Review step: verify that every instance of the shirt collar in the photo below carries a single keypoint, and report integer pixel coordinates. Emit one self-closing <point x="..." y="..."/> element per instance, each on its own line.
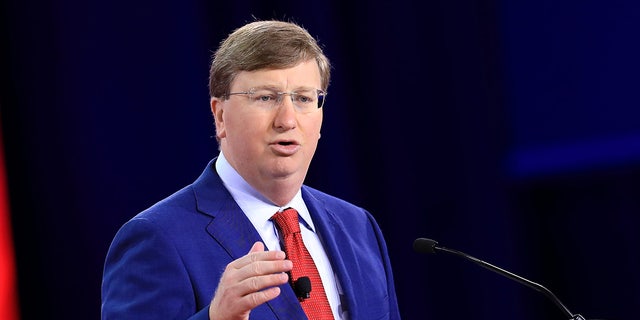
<point x="254" y="205"/>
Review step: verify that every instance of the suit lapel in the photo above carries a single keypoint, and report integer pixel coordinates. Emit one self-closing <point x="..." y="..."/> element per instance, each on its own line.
<point x="343" y="259"/>
<point x="233" y="231"/>
<point x="229" y="227"/>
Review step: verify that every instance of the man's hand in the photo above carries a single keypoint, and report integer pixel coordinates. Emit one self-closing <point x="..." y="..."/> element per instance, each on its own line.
<point x="248" y="282"/>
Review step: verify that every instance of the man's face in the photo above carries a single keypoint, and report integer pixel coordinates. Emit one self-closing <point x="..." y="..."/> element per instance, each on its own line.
<point x="263" y="144"/>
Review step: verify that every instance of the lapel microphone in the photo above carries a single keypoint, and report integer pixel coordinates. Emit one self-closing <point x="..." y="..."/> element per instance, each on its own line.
<point x="302" y="287"/>
<point x="423" y="245"/>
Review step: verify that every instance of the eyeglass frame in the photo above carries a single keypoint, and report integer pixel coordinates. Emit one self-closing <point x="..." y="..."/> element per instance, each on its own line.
<point x="279" y="95"/>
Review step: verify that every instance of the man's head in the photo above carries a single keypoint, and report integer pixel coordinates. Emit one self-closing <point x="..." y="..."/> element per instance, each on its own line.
<point x="264" y="45"/>
<point x="267" y="79"/>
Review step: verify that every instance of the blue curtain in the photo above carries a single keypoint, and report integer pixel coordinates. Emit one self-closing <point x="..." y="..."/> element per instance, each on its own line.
<point x="507" y="130"/>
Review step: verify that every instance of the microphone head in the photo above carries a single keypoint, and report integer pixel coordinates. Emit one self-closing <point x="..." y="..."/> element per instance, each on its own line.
<point x="302" y="287"/>
<point x="424" y="245"/>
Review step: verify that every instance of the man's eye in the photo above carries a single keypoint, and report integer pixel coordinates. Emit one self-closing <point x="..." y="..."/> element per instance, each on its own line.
<point x="265" y="97"/>
<point x="304" y="99"/>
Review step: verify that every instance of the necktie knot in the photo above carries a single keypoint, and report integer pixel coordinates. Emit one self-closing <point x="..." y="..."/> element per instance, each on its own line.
<point x="287" y="221"/>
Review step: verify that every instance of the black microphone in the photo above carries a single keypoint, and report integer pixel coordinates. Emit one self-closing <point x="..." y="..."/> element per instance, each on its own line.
<point x="423" y="245"/>
<point x="302" y="287"/>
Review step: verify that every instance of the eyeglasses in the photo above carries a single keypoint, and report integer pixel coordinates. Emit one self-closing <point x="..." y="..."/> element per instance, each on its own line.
<point x="305" y="101"/>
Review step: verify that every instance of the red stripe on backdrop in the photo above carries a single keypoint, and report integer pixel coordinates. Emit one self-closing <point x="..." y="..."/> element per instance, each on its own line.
<point x="8" y="292"/>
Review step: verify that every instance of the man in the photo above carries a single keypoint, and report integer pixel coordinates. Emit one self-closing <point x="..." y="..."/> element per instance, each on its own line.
<point x="213" y="250"/>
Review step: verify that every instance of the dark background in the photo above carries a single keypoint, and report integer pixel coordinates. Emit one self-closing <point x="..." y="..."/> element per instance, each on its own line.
<point x="509" y="130"/>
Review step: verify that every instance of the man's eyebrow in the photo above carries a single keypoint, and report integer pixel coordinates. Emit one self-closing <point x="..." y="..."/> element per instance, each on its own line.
<point x="279" y="89"/>
<point x="266" y="87"/>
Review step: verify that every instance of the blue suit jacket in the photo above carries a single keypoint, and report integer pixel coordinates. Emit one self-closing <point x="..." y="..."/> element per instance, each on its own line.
<point x="166" y="262"/>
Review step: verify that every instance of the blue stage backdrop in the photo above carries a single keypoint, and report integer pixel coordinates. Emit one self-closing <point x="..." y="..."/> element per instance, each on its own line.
<point x="509" y="130"/>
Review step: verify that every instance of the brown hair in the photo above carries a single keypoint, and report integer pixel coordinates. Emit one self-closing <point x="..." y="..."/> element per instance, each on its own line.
<point x="264" y="45"/>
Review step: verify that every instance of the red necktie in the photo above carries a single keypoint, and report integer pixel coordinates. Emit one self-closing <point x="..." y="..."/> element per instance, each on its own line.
<point x="316" y="306"/>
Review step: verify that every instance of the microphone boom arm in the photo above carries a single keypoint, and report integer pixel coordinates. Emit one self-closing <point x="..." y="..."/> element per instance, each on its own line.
<point x="424" y="245"/>
<point x="513" y="276"/>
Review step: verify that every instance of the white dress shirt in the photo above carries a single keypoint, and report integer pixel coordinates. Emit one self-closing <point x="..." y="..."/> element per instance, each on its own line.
<point x="259" y="210"/>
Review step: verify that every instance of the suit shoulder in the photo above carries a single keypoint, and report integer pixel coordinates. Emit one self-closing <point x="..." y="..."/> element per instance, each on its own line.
<point x="334" y="205"/>
<point x="328" y="199"/>
<point x="167" y="210"/>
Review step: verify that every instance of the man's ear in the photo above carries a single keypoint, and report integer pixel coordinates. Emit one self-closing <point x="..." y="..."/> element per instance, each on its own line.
<point x="216" y="111"/>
